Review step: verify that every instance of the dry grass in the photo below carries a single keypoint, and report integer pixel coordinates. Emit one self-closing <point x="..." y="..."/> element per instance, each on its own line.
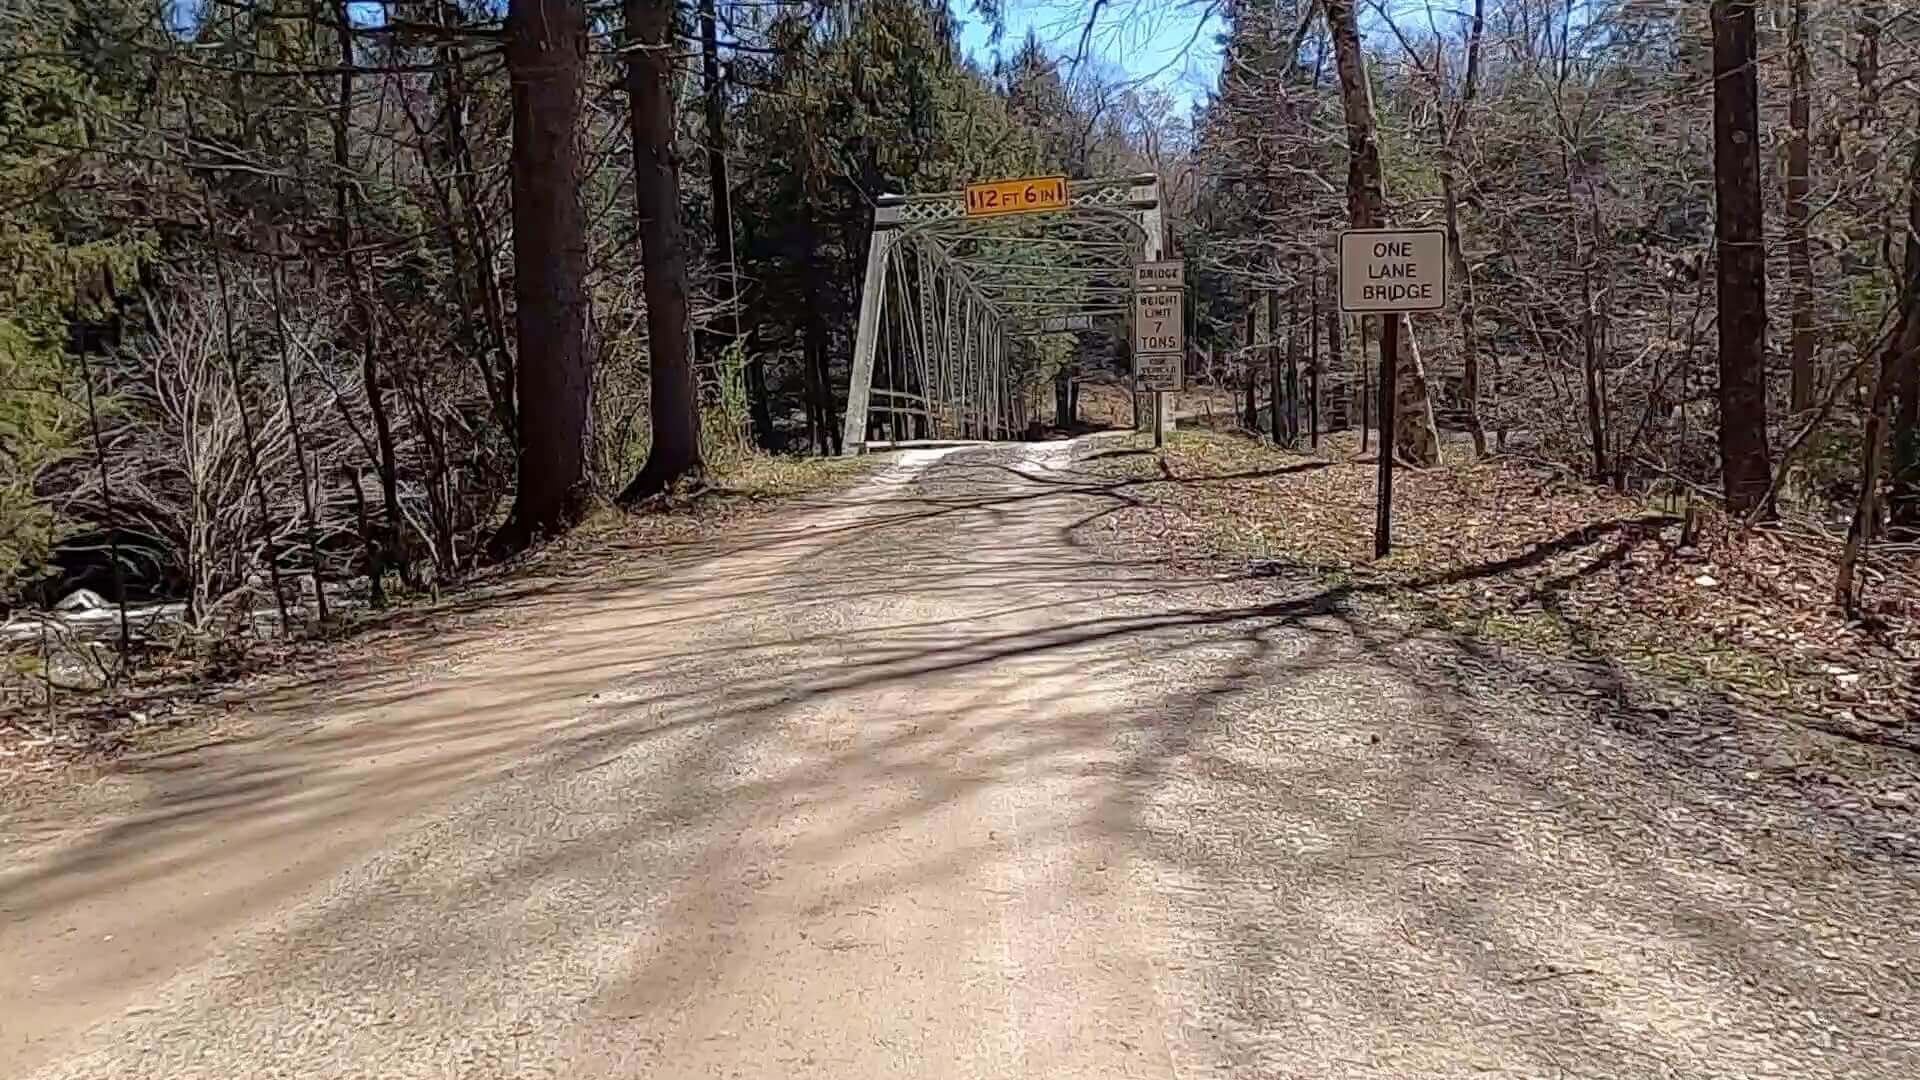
<point x="1523" y="556"/>
<point x="764" y="476"/>
<point x="742" y="487"/>
<point x="1107" y="402"/>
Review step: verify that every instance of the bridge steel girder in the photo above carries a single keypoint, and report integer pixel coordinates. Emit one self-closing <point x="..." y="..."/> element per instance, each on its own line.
<point x="958" y="291"/>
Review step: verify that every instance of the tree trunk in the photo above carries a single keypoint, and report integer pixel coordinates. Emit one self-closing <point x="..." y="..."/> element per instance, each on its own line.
<point x="1416" y="435"/>
<point x="1251" y="416"/>
<point x="1366" y="197"/>
<point x="1898" y="362"/>
<point x="1336" y="340"/>
<point x="546" y="64"/>
<point x="1293" y="366"/>
<point x="829" y="408"/>
<point x="1740" y="248"/>
<point x="362" y="325"/>
<point x="1869" y="20"/>
<point x="1590" y="372"/>
<point x="1365" y="383"/>
<point x="116" y="567"/>
<point x="810" y="393"/>
<point x="294" y="432"/>
<point x="819" y="395"/>
<point x="1799" y="186"/>
<point x="822" y="387"/>
<point x="719" y="341"/>
<point x="497" y="368"/>
<point x="1313" y="367"/>
<point x="1870" y="115"/>
<point x="376" y="569"/>
<point x="1866" y="509"/>
<point x="1469" y="344"/>
<point x="1414" y="438"/>
<point x="1903" y="357"/>
<point x="675" y="406"/>
<point x="1276" y="386"/>
<point x="1450" y="194"/>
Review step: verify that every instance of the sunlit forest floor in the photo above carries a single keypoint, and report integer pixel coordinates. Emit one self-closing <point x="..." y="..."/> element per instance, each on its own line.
<point x="1522" y="556"/>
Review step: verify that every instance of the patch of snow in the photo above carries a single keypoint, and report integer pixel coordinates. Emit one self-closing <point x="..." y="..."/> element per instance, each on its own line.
<point x="1049" y="455"/>
<point x="80" y="600"/>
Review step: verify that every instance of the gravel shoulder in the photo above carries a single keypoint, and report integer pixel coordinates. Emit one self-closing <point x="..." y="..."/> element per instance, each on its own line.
<point x="956" y="776"/>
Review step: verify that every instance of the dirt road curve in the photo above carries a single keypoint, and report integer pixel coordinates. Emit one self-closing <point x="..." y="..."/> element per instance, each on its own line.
<point x="918" y="782"/>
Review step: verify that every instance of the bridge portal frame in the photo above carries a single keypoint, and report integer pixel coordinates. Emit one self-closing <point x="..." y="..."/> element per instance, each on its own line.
<point x="945" y="295"/>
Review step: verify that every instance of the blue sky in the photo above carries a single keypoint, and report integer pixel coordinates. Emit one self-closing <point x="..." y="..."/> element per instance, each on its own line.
<point x="1165" y="41"/>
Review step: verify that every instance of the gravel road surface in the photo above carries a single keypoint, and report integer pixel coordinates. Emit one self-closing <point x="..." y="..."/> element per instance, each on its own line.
<point x="933" y="779"/>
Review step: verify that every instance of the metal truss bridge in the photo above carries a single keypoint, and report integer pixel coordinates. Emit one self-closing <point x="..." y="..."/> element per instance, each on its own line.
<point x="948" y="298"/>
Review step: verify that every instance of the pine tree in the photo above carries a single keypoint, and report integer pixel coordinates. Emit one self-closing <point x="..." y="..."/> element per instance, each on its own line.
<point x="546" y="56"/>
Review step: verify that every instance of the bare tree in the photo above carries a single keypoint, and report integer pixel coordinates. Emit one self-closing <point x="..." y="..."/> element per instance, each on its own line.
<point x="1250" y="367"/>
<point x="364" y="322"/>
<point x="297" y="439"/>
<point x="1276" y="383"/>
<point x="1313" y="364"/>
<point x="1901" y="354"/>
<point x="1293" y="364"/>
<point x="1413" y="435"/>
<point x="1451" y="128"/>
<point x="1902" y="358"/>
<point x="1799" y="213"/>
<point x="725" y="270"/>
<point x="183" y="472"/>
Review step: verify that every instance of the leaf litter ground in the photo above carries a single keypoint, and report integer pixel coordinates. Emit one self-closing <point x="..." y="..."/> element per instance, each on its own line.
<point x="1634" y="764"/>
<point x="1517" y="555"/>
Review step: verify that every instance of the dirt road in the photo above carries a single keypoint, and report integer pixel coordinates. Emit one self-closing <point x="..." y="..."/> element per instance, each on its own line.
<point x="927" y="781"/>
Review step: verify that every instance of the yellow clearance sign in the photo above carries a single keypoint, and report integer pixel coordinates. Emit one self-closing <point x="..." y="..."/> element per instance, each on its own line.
<point x="1030" y="195"/>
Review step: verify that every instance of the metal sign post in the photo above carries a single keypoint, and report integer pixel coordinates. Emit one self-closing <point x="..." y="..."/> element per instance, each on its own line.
<point x="1391" y="272"/>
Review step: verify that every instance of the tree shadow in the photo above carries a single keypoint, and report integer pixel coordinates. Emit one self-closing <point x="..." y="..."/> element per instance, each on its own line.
<point x="1381" y="844"/>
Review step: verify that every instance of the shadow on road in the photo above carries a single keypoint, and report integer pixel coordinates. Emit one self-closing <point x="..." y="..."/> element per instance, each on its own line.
<point x="1377" y="831"/>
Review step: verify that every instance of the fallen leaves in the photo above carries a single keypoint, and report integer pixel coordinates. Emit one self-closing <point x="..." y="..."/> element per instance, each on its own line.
<point x="1517" y="554"/>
